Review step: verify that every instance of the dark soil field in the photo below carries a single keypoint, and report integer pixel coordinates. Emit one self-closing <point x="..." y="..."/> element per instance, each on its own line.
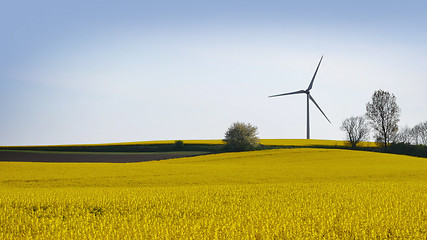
<point x="45" y="156"/>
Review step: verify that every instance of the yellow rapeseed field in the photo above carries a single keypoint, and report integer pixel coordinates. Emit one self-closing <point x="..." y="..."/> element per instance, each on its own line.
<point x="277" y="142"/>
<point x="272" y="194"/>
<point x="312" y="142"/>
<point x="209" y="141"/>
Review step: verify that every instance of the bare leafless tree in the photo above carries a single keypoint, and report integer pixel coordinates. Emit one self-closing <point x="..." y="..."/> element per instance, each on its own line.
<point x="416" y="134"/>
<point x="383" y="113"/>
<point x="405" y="135"/>
<point x="356" y="130"/>
<point x="419" y="134"/>
<point x="420" y="131"/>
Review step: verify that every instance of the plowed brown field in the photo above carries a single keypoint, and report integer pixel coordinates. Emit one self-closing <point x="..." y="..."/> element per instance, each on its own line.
<point x="33" y="156"/>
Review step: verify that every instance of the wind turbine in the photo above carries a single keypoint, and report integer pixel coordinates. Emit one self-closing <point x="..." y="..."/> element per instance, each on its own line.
<point x="309" y="97"/>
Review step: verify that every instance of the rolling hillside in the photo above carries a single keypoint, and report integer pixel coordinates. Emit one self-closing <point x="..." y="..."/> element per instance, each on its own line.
<point x="282" y="193"/>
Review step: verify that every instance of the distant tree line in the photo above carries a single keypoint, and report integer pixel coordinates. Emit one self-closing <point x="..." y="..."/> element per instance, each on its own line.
<point x="381" y="120"/>
<point x="416" y="135"/>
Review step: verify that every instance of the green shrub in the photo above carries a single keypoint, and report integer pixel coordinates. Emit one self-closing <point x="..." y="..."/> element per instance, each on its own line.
<point x="179" y="144"/>
<point x="241" y="137"/>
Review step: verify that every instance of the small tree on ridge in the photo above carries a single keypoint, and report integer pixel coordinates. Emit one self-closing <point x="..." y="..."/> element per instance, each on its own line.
<point x="241" y="137"/>
<point x="356" y="130"/>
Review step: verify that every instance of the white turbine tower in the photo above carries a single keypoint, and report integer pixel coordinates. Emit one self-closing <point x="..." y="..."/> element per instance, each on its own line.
<point x="309" y="97"/>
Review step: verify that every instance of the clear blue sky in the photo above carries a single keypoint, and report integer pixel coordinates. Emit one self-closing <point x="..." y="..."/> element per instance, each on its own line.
<point x="114" y="71"/>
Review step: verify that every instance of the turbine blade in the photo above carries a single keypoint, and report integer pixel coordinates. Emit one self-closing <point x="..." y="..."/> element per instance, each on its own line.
<point x="312" y="80"/>
<point x="290" y="93"/>
<point x="312" y="99"/>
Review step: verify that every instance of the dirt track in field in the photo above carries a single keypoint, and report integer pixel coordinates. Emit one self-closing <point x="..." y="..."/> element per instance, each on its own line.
<point x="21" y="156"/>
